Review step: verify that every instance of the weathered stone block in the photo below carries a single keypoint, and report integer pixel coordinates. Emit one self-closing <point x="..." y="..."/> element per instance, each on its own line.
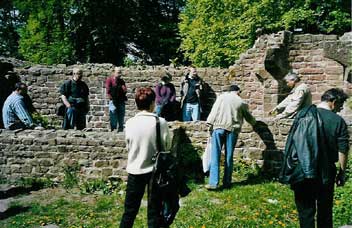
<point x="99" y="164"/>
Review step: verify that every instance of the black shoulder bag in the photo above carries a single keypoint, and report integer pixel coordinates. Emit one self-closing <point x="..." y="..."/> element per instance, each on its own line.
<point x="165" y="166"/>
<point x="164" y="181"/>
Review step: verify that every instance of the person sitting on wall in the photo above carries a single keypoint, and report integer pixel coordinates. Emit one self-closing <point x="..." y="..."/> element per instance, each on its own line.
<point x="15" y="113"/>
<point x="74" y="94"/>
<point x="165" y="98"/>
<point x="299" y="98"/>
<point x="116" y="91"/>
<point x="191" y="87"/>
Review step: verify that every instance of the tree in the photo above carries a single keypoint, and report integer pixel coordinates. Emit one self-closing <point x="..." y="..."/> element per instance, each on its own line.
<point x="44" y="38"/>
<point x="9" y="22"/>
<point x="215" y="32"/>
<point x="65" y="31"/>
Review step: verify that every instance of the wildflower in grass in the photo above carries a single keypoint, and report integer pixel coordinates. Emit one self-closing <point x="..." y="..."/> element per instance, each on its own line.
<point x="271" y="222"/>
<point x="294" y="212"/>
<point x="203" y="226"/>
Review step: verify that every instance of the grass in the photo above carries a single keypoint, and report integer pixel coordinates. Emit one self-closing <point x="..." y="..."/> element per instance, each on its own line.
<point x="267" y="204"/>
<point x="258" y="203"/>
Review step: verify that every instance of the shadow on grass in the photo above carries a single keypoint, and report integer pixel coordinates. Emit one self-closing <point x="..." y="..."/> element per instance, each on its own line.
<point x="12" y="211"/>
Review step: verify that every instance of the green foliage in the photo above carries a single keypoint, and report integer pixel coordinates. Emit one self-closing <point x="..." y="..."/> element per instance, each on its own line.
<point x="66" y="31"/>
<point x="245" y="170"/>
<point x="70" y="175"/>
<point x="8" y="24"/>
<point x="44" y="38"/>
<point x="214" y="33"/>
<point x="349" y="102"/>
<point x="343" y="203"/>
<point x="105" y="187"/>
<point x="40" y="120"/>
<point x="35" y="182"/>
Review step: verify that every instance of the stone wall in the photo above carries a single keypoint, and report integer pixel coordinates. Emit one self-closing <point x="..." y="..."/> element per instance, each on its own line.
<point x="45" y="153"/>
<point x="44" y="82"/>
<point x="323" y="61"/>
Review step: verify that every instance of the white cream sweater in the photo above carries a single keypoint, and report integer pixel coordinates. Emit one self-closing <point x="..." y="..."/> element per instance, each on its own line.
<point x="140" y="134"/>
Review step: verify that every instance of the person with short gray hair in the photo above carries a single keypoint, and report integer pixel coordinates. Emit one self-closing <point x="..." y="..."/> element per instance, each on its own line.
<point x="299" y="97"/>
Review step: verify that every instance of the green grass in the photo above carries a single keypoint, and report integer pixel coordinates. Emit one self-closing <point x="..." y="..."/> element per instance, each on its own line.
<point x="267" y="204"/>
<point x="256" y="203"/>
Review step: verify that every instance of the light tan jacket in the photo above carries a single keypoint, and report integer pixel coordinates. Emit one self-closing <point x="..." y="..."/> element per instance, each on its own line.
<point x="228" y="112"/>
<point x="299" y="98"/>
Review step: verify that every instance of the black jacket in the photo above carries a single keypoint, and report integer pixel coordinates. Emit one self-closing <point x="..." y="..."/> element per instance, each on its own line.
<point x="305" y="152"/>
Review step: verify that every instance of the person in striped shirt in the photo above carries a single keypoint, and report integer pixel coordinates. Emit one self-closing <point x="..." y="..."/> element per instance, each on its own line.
<point x="15" y="113"/>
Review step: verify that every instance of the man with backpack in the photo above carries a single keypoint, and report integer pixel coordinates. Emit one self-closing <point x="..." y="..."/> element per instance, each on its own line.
<point x="74" y="95"/>
<point x="116" y="91"/>
<point x="191" y="88"/>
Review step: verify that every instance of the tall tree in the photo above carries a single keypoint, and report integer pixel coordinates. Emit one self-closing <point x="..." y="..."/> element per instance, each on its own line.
<point x="44" y="38"/>
<point x="155" y="29"/>
<point x="215" y="32"/>
<point x="9" y="22"/>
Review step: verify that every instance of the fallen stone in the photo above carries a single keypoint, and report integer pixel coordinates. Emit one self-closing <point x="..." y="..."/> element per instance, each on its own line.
<point x="4" y="205"/>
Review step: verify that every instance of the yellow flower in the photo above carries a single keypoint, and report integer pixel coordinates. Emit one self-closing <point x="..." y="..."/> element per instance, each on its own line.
<point x="294" y="211"/>
<point x="266" y="211"/>
<point x="203" y="226"/>
<point x="337" y="202"/>
<point x="271" y="222"/>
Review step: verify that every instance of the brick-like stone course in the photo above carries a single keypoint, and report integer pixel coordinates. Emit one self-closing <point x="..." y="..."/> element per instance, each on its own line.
<point x="259" y="72"/>
<point x="106" y="156"/>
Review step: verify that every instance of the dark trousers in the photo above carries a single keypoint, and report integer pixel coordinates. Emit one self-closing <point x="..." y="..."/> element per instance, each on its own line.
<point x="74" y="118"/>
<point x="312" y="197"/>
<point x="134" y="193"/>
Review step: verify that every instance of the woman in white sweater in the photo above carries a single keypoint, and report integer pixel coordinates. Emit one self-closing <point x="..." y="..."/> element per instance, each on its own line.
<point x="140" y="133"/>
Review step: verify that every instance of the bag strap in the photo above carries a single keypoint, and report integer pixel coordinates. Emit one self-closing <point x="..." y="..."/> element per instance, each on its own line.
<point x="158" y="138"/>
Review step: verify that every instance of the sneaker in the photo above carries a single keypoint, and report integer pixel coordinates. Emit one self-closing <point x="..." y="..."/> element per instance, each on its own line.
<point x="210" y="187"/>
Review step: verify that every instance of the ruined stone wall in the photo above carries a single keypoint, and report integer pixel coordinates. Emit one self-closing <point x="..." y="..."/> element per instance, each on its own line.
<point x="322" y="61"/>
<point x="45" y="81"/>
<point x="45" y="153"/>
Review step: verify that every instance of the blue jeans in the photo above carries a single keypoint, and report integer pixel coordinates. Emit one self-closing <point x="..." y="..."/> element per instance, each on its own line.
<point x="158" y="109"/>
<point x="74" y="118"/>
<point x="190" y="112"/>
<point x="219" y="138"/>
<point x="117" y="115"/>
